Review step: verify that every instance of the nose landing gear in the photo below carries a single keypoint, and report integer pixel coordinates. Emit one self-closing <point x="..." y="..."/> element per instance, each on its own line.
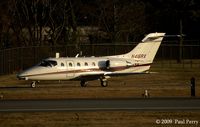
<point x="33" y="84"/>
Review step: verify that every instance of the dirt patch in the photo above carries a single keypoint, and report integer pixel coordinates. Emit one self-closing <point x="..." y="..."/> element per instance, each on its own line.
<point x="97" y="119"/>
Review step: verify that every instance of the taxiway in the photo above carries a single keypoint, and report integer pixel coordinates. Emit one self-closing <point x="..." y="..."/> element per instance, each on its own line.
<point x="100" y="104"/>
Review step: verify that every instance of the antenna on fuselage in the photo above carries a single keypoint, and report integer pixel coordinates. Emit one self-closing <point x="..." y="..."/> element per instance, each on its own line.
<point x="57" y="55"/>
<point x="77" y="55"/>
<point x="80" y="53"/>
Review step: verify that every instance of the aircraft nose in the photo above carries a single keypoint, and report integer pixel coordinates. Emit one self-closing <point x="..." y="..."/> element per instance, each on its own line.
<point x="22" y="75"/>
<point x="19" y="75"/>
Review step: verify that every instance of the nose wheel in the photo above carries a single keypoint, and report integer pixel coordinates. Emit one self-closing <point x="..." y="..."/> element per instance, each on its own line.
<point x="33" y="84"/>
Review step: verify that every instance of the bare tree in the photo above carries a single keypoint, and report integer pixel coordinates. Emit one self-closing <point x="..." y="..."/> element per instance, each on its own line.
<point x="131" y="20"/>
<point x="122" y="19"/>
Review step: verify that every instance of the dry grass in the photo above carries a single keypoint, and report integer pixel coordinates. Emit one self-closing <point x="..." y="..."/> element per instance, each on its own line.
<point x="169" y="82"/>
<point x="96" y="119"/>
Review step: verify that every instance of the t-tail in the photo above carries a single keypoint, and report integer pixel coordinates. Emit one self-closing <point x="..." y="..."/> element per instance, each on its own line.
<point x="146" y="50"/>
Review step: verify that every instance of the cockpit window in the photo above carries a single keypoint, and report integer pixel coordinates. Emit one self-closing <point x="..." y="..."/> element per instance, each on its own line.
<point x="46" y="63"/>
<point x="52" y="62"/>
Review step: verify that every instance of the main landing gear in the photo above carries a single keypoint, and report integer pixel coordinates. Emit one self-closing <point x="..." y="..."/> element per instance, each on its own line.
<point x="83" y="83"/>
<point x="103" y="81"/>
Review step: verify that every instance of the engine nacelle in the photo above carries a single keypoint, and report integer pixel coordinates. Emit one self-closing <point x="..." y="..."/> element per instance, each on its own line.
<point x="116" y="63"/>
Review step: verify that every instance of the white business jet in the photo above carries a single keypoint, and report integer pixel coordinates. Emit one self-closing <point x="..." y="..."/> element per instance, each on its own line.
<point x="86" y="69"/>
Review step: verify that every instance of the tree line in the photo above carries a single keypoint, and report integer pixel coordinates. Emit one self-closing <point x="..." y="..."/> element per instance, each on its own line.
<point x="61" y="22"/>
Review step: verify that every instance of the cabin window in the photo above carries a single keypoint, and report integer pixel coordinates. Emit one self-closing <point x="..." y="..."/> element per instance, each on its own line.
<point x="62" y="64"/>
<point x="78" y="64"/>
<point x="86" y="64"/>
<point x="70" y="64"/>
<point x="93" y="63"/>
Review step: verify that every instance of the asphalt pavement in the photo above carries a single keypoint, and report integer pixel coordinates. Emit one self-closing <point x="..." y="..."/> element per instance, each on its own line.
<point x="137" y="104"/>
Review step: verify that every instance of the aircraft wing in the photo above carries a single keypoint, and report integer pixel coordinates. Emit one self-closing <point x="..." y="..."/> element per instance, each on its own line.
<point x="121" y="74"/>
<point x="91" y="76"/>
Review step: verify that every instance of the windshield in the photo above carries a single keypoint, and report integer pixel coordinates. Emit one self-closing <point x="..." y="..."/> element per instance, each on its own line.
<point x="46" y="63"/>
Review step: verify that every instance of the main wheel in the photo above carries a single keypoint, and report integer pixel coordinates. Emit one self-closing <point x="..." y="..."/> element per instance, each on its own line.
<point x="83" y="83"/>
<point x="104" y="83"/>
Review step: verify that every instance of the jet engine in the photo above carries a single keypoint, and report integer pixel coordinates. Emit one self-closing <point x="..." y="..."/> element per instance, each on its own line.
<point x="117" y="63"/>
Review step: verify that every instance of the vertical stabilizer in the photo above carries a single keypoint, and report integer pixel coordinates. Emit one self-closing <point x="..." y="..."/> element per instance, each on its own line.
<point x="146" y="50"/>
